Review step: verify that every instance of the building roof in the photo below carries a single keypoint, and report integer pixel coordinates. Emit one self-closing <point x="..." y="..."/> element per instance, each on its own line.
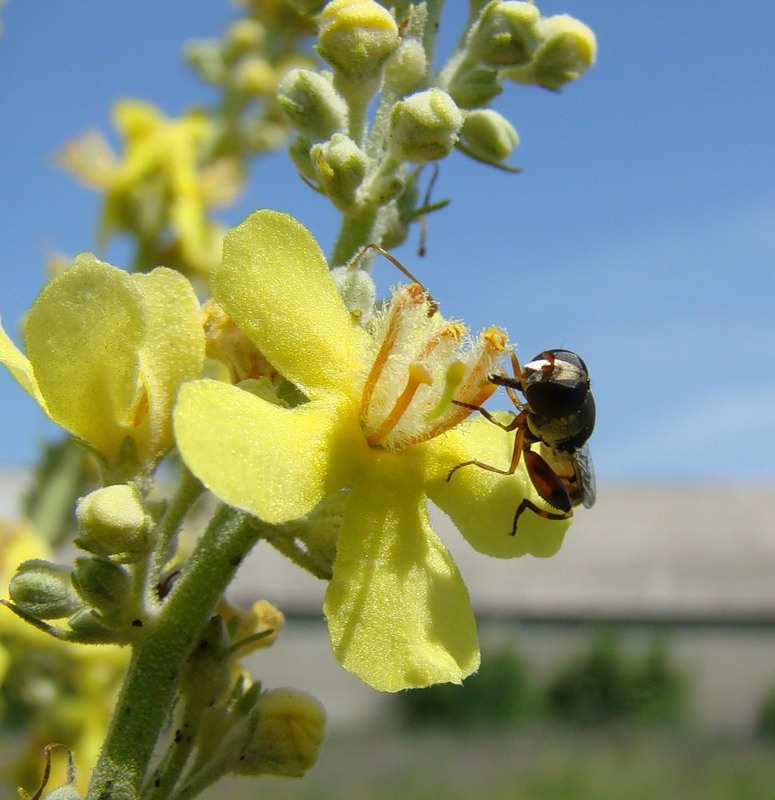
<point x="672" y="552"/>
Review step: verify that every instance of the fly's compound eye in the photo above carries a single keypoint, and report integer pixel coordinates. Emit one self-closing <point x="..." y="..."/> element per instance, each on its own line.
<point x="555" y="383"/>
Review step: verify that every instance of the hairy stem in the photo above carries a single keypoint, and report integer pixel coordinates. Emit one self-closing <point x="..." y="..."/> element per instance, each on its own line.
<point x="146" y="698"/>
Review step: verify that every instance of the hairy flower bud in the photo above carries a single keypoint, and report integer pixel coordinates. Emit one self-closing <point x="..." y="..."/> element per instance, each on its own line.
<point x="471" y="88"/>
<point x="245" y="34"/>
<point x="255" y="76"/>
<point x="339" y="166"/>
<point x="358" y="291"/>
<point x="488" y="135"/>
<point x="112" y="522"/>
<point x="568" y="50"/>
<point x="290" y="727"/>
<point x="406" y="67"/>
<point x="44" y="590"/>
<point x="104" y="585"/>
<point x="298" y="150"/>
<point x="356" y="36"/>
<point x="311" y="104"/>
<point x="506" y="34"/>
<point x="424" y="126"/>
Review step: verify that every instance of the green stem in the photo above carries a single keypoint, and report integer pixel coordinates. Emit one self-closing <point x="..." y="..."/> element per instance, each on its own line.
<point x="143" y="707"/>
<point x="170" y="768"/>
<point x="188" y="492"/>
<point x="353" y="234"/>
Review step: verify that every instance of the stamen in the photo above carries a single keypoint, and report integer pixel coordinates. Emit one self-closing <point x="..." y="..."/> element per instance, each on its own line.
<point x="418" y="375"/>
<point x="408" y="296"/>
<point x="456" y="371"/>
<point x="452" y="330"/>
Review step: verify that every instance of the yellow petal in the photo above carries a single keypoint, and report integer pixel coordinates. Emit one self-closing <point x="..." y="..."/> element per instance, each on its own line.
<point x="172" y="351"/>
<point x="82" y="336"/>
<point x="482" y="504"/>
<point x="274" y="462"/>
<point x="274" y="282"/>
<point x="19" y="367"/>
<point x="398" y="611"/>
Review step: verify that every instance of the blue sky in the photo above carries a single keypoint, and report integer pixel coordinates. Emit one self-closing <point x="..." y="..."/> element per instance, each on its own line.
<point x="641" y="233"/>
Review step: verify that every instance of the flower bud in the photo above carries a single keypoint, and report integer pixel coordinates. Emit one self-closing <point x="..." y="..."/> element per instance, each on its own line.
<point x="44" y="590"/>
<point x="506" y="34"/>
<point x="290" y="728"/>
<point x="568" y="50"/>
<point x="472" y="88"/>
<point x="424" y="126"/>
<point x="112" y="522"/>
<point x="356" y="36"/>
<point x="244" y="35"/>
<point x="339" y="166"/>
<point x="90" y="628"/>
<point x="252" y="629"/>
<point x="358" y="291"/>
<point x="406" y="67"/>
<point x="206" y="59"/>
<point x="255" y="76"/>
<point x="298" y="150"/>
<point x="104" y="585"/>
<point x="311" y="104"/>
<point x="488" y="135"/>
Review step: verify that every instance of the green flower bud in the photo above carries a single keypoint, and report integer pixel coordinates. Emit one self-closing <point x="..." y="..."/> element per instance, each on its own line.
<point x="488" y="135"/>
<point x="244" y="35"/>
<point x="471" y="88"/>
<point x="206" y="60"/>
<point x="44" y="590"/>
<point x="356" y="36"/>
<point x="255" y="77"/>
<point x="568" y="50"/>
<point x="406" y="68"/>
<point x="339" y="166"/>
<point x="113" y="522"/>
<point x="311" y="104"/>
<point x="298" y="150"/>
<point x="424" y="126"/>
<point x="506" y="34"/>
<point x="358" y="291"/>
<point x="290" y="728"/>
<point x="104" y="585"/>
<point x="91" y="629"/>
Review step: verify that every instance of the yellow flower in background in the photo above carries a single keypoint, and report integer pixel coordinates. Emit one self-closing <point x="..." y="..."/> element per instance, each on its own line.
<point x="60" y="692"/>
<point x="379" y="423"/>
<point x="160" y="181"/>
<point x="106" y="352"/>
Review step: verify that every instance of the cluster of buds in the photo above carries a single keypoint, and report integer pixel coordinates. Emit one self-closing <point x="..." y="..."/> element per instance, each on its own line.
<point x="245" y="65"/>
<point x="368" y="168"/>
<point x="231" y="724"/>
<point x="95" y="595"/>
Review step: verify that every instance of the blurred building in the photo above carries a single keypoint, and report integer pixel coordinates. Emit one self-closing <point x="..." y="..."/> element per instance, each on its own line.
<point x="697" y="561"/>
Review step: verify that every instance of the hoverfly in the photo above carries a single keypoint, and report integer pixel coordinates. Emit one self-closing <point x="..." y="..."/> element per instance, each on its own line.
<point x="558" y="417"/>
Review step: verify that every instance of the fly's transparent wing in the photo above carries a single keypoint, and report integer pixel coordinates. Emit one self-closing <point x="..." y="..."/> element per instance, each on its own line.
<point x="586" y="475"/>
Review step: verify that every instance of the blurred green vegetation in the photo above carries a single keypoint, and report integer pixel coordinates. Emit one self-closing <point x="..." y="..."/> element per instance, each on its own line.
<point x="606" y="722"/>
<point x="606" y="684"/>
<point x="603" y="684"/>
<point x="536" y="762"/>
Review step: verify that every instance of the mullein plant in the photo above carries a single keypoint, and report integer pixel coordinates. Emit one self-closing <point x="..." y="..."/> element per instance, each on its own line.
<point x="272" y="381"/>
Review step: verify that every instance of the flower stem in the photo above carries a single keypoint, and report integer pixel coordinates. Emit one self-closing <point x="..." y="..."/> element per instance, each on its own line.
<point x="146" y="697"/>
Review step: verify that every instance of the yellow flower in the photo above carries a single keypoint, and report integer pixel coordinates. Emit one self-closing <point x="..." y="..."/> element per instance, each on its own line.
<point x="378" y="423"/>
<point x="106" y="354"/>
<point x="159" y="182"/>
